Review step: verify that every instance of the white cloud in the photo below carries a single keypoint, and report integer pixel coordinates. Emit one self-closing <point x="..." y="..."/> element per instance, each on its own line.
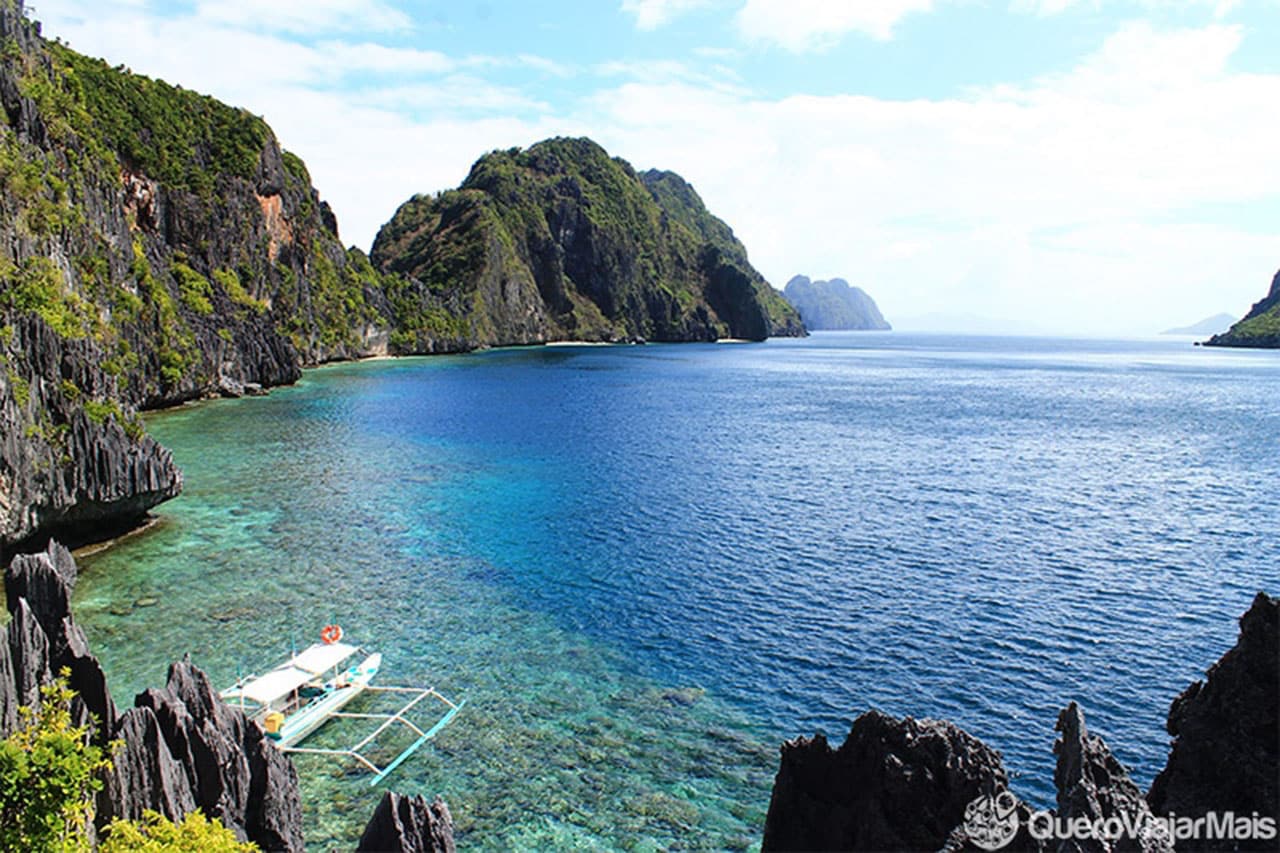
<point x="1071" y="200"/>
<point x="652" y="14"/>
<point x="803" y="25"/>
<point x="370" y="56"/>
<point x="717" y="77"/>
<point x="1081" y="200"/>
<point x="458" y="92"/>
<point x="529" y="61"/>
<point x="304" y="16"/>
<point x="1220" y="8"/>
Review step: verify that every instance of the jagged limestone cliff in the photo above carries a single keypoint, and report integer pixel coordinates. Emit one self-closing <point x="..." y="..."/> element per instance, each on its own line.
<point x="155" y="246"/>
<point x="926" y="785"/>
<point x="1259" y="328"/>
<point x="178" y="748"/>
<point x="158" y="246"/>
<point x="562" y="241"/>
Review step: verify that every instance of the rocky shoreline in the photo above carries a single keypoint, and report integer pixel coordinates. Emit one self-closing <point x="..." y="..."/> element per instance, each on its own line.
<point x="894" y="784"/>
<point x="927" y="785"/>
<point x="158" y="246"/>
<point x="180" y="747"/>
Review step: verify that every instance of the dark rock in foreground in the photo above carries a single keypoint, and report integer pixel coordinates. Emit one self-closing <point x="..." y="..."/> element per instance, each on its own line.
<point x="1094" y="786"/>
<point x="927" y="785"/>
<point x="234" y="773"/>
<point x="181" y="748"/>
<point x="408" y="825"/>
<point x="892" y="785"/>
<point x="1227" y="732"/>
<point x="38" y="589"/>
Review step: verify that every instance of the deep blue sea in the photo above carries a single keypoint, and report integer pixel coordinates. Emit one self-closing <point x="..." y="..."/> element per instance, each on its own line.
<point x="645" y="567"/>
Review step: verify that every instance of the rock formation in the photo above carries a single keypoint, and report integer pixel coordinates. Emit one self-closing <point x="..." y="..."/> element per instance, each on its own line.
<point x="234" y="772"/>
<point x="562" y="241"/>
<point x="155" y="246"/>
<point x="926" y="785"/>
<point x="408" y="825"/>
<point x="1094" y="786"/>
<point x="181" y="747"/>
<point x="892" y="785"/>
<point x="833" y="305"/>
<point x="1208" y="326"/>
<point x="1259" y="328"/>
<point x="44" y="640"/>
<point x="1226" y="730"/>
<point x="158" y="246"/>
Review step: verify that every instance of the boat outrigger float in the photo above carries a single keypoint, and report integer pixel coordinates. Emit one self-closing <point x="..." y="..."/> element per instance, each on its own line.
<point x="302" y="694"/>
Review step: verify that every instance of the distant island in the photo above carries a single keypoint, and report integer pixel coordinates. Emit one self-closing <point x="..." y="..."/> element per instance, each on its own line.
<point x="833" y="304"/>
<point x="1259" y="328"/>
<point x="1208" y="326"/>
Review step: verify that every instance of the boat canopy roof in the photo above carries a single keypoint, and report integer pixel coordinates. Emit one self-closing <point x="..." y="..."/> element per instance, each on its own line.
<point x="322" y="657"/>
<point x="295" y="672"/>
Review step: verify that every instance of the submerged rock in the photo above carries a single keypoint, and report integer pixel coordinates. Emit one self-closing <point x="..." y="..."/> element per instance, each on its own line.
<point x="403" y="824"/>
<point x="1226" y="732"/>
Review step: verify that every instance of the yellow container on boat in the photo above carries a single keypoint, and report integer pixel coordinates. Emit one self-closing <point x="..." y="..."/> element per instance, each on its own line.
<point x="273" y="722"/>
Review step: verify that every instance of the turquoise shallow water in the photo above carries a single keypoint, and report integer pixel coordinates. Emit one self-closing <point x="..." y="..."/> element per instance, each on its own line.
<point x="644" y="567"/>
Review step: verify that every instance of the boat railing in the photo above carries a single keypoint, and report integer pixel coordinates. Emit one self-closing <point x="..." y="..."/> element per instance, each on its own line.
<point x="356" y="752"/>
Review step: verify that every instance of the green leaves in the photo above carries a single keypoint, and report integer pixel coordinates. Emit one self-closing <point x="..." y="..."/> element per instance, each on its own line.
<point x="48" y="776"/>
<point x="36" y="286"/>
<point x="157" y="834"/>
<point x="176" y="136"/>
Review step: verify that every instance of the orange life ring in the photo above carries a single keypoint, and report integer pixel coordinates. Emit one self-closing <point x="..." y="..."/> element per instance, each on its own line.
<point x="331" y="634"/>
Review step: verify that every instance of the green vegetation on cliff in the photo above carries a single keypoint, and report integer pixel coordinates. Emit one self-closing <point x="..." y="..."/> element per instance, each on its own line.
<point x="158" y="246"/>
<point x="562" y="241"/>
<point x="178" y="137"/>
<point x="1259" y="328"/>
<point x="217" y="226"/>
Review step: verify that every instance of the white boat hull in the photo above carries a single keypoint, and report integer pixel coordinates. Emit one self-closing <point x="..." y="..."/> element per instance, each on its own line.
<point x="301" y="723"/>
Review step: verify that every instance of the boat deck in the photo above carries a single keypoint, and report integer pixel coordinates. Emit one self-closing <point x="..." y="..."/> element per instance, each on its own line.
<point x="309" y="689"/>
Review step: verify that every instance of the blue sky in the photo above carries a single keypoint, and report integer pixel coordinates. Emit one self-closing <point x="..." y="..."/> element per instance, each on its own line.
<point x="1045" y="165"/>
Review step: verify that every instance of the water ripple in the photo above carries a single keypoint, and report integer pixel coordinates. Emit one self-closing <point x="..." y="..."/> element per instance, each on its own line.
<point x="647" y="566"/>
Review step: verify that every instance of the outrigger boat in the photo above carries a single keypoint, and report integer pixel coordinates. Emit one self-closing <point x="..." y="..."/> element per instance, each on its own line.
<point x="312" y="687"/>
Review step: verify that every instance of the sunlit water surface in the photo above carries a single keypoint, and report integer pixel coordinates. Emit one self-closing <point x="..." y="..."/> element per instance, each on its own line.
<point x="644" y="567"/>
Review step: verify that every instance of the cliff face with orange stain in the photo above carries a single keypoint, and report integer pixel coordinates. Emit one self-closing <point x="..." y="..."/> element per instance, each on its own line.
<point x="279" y="233"/>
<point x="156" y="246"/>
